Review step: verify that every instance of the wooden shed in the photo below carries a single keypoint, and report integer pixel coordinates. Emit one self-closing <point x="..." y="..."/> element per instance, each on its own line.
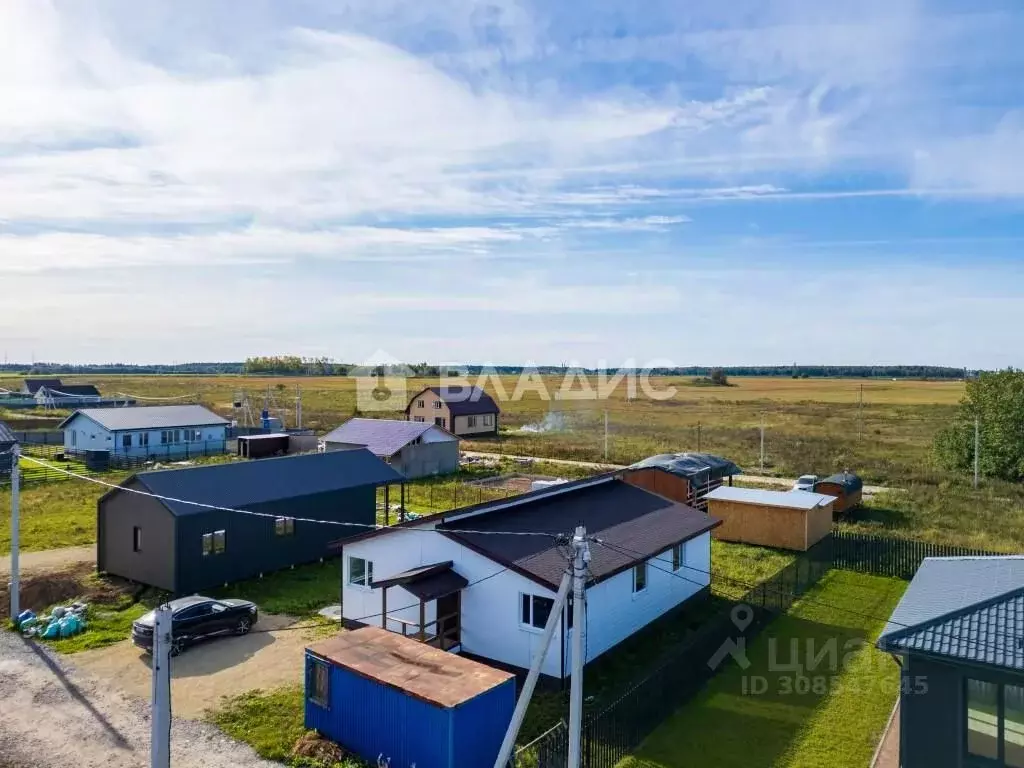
<point x="682" y="477"/>
<point x="846" y="487"/>
<point x="784" y="519"/>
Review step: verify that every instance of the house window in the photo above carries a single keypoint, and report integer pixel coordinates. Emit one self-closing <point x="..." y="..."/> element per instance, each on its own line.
<point x="360" y="572"/>
<point x="471" y="421"/>
<point x="995" y="722"/>
<point x="136" y="539"/>
<point x="678" y="556"/>
<point x="534" y="610"/>
<point x="214" y="543"/>
<point x="143" y="439"/>
<point x="284" y="526"/>
<point x="170" y="437"/>
<point x="126" y="440"/>
<point x="419" y="404"/>
<point x="488" y="419"/>
<point x="420" y="419"/>
<point x="74" y="438"/>
<point x="437" y="405"/>
<point x="319" y="684"/>
<point x="443" y="423"/>
<point x="639" y="577"/>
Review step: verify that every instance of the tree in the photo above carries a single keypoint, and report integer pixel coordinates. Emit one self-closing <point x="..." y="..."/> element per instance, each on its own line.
<point x="996" y="400"/>
<point x="718" y="377"/>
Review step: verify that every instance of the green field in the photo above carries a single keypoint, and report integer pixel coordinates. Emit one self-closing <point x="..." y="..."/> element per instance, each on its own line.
<point x="827" y="716"/>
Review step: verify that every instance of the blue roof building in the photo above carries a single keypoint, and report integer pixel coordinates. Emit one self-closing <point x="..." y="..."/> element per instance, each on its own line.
<point x="958" y="634"/>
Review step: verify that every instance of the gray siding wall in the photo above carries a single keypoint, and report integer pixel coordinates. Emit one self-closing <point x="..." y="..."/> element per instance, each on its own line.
<point x="252" y="545"/>
<point x="427" y="459"/>
<point x="117" y="516"/>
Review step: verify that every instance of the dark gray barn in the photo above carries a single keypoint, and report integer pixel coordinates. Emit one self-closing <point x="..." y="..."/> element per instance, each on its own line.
<point x="184" y="548"/>
<point x="956" y="634"/>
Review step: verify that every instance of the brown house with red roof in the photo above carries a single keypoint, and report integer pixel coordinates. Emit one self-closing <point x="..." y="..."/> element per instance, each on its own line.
<point x="463" y="411"/>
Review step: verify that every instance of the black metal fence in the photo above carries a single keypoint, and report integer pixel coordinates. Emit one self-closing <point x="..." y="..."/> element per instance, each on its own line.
<point x="888" y="555"/>
<point x="611" y="734"/>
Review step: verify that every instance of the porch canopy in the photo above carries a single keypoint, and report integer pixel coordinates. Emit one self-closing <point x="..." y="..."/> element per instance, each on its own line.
<point x="427" y="582"/>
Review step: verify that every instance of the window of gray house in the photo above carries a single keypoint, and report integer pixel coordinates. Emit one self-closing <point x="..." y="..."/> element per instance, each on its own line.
<point x="678" y="556"/>
<point x="982" y="719"/>
<point x="74" y="438"/>
<point x="488" y="419"/>
<point x="471" y="421"/>
<point x="640" y="577"/>
<point x="534" y="610"/>
<point x="360" y="572"/>
<point x="284" y="526"/>
<point x="136" y="539"/>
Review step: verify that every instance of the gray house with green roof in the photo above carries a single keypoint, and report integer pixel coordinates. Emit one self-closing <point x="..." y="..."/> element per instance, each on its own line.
<point x="958" y="636"/>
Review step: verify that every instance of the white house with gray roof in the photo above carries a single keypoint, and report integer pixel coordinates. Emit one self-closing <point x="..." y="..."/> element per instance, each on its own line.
<point x="146" y="432"/>
<point x="416" y="449"/>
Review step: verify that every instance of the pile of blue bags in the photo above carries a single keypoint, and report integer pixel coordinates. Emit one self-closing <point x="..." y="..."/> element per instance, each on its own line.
<point x="62" y="622"/>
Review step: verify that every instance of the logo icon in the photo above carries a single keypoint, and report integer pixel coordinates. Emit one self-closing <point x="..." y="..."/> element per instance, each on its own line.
<point x="742" y="616"/>
<point x="381" y="383"/>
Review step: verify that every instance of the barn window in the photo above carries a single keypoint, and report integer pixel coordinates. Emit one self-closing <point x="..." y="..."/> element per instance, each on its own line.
<point x="639" y="577"/>
<point x="284" y="526"/>
<point x="535" y="610"/>
<point x="136" y="539"/>
<point x="360" y="572"/>
<point x="214" y="543"/>
<point x="319" y="684"/>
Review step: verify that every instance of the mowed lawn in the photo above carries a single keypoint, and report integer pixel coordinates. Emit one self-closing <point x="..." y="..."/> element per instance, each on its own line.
<point x="829" y="715"/>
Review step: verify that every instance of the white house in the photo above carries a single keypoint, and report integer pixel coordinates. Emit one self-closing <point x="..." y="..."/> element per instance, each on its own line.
<point x="493" y="590"/>
<point x="159" y="432"/>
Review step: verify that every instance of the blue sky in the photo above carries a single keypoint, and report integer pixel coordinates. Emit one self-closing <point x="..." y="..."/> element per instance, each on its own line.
<point x="511" y="182"/>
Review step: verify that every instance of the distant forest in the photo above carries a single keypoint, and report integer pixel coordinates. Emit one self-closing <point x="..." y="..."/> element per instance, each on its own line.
<point x="299" y="366"/>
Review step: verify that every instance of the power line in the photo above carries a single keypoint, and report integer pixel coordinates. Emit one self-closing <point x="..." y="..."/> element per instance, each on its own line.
<point x="371" y="526"/>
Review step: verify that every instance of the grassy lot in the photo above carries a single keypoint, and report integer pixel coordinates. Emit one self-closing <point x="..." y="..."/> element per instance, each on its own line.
<point x="61" y="513"/>
<point x="830" y="716"/>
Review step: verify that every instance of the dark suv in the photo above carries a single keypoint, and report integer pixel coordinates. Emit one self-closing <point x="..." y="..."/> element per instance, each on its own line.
<point x="196" y="618"/>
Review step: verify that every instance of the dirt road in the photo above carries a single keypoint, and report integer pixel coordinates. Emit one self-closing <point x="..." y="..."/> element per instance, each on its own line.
<point x="50" y="559"/>
<point x="781" y="482"/>
<point x="270" y="656"/>
<point x="54" y="716"/>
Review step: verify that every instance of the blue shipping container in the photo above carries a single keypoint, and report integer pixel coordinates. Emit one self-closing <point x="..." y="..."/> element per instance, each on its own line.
<point x="407" y="702"/>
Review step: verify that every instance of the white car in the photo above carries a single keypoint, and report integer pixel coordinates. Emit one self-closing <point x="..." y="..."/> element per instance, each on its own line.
<point x="805" y="483"/>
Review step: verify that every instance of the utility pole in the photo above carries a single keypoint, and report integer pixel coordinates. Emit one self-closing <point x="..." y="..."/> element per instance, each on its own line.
<point x="15" y="531"/>
<point x="762" y="444"/>
<point x="581" y="557"/>
<point x="606" y="435"/>
<point x="505" y="754"/>
<point x="977" y="448"/>
<point x="298" y="407"/>
<point x="860" y="413"/>
<point x="160" y="718"/>
<point x="698" y="437"/>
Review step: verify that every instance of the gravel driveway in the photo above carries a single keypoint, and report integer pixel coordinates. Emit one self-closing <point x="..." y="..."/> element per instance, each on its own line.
<point x="52" y="716"/>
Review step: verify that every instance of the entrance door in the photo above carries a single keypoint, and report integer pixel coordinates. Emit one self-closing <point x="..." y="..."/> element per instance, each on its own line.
<point x="449" y="630"/>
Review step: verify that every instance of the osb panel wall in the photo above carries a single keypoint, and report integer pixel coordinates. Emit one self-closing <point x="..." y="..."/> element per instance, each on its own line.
<point x="769" y="526"/>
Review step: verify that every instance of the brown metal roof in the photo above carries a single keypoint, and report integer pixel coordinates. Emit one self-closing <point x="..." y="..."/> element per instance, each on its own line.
<point x="621" y="514"/>
<point x="427" y="582"/>
<point x="420" y="670"/>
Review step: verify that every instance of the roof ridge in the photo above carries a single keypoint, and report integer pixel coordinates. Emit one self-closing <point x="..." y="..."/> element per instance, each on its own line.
<point x="955" y="614"/>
